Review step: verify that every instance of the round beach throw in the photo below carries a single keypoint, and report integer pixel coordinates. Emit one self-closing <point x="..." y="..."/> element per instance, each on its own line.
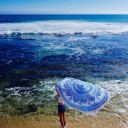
<point x="81" y="95"/>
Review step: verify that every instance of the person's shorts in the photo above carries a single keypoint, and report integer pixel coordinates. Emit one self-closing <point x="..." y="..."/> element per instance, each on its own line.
<point x="61" y="108"/>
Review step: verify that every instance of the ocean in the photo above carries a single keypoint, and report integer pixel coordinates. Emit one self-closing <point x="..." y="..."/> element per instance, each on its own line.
<point x="38" y="50"/>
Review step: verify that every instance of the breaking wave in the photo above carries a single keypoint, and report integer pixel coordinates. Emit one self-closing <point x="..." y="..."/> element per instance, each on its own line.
<point x="63" y="27"/>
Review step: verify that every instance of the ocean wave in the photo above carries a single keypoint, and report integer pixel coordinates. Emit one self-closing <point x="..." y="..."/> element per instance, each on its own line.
<point x="62" y="27"/>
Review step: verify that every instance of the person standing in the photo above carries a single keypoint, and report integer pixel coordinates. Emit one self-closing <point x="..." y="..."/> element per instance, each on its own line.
<point x="61" y="110"/>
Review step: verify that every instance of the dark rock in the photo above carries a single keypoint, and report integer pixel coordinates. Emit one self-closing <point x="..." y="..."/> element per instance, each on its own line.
<point x="32" y="108"/>
<point x="78" y="33"/>
<point x="58" y="34"/>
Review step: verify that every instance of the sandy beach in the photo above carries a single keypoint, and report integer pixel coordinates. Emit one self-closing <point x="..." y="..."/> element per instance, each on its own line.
<point x="99" y="121"/>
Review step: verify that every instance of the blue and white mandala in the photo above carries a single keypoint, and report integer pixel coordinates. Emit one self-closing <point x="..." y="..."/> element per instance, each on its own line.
<point x="81" y="95"/>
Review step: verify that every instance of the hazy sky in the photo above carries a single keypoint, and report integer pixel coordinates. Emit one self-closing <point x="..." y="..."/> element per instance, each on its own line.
<point x="64" y="6"/>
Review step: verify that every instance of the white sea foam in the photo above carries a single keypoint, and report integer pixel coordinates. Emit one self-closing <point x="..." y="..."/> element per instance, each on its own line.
<point x="51" y="27"/>
<point x="116" y="88"/>
<point x="118" y="91"/>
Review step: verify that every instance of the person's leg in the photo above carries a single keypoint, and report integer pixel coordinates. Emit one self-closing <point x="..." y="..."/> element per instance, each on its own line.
<point x="64" y="120"/>
<point x="61" y="119"/>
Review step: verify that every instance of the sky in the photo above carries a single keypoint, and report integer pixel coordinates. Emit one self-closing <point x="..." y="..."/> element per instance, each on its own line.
<point x="63" y="6"/>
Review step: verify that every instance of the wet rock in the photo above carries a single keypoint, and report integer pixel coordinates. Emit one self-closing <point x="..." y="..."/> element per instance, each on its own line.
<point x="78" y="33"/>
<point x="58" y="34"/>
<point x="119" y="82"/>
<point x="32" y="108"/>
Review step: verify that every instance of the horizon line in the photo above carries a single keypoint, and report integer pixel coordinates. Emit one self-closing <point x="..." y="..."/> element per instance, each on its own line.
<point x="63" y="14"/>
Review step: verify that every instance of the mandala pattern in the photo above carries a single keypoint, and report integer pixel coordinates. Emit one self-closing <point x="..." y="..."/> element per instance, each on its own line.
<point x="81" y="95"/>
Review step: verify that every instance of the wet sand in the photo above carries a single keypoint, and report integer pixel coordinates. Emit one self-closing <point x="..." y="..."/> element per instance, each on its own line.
<point x="99" y="121"/>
